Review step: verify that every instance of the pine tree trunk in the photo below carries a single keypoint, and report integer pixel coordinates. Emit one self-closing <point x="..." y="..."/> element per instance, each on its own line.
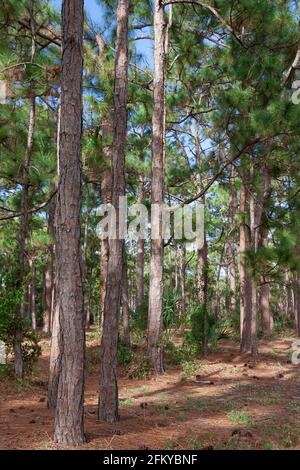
<point x="140" y="259"/>
<point x="69" y="427"/>
<point x="85" y="270"/>
<point x="108" y="399"/>
<point x="55" y="353"/>
<point x="55" y="327"/>
<point x="245" y="280"/>
<point x="232" y="279"/>
<point x="289" y="295"/>
<point x="125" y="306"/>
<point x="297" y="303"/>
<point x="253" y="231"/>
<point x="31" y="293"/>
<point x="181" y="280"/>
<point x="155" y="313"/>
<point x="106" y="189"/>
<point x="202" y="292"/>
<point x="24" y="220"/>
<point x="231" y="246"/>
<point x="265" y="294"/>
<point x="49" y="272"/>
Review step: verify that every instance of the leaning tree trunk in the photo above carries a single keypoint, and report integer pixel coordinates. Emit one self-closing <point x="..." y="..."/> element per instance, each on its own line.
<point x="108" y="398"/>
<point x="155" y="313"/>
<point x="245" y="280"/>
<point x="69" y="428"/>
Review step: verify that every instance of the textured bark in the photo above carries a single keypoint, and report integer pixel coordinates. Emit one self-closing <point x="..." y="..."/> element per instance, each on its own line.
<point x="24" y="228"/>
<point x="265" y="294"/>
<point x="232" y="278"/>
<point x="125" y="306"/>
<point x="55" y="354"/>
<point x="49" y="272"/>
<point x="297" y="303"/>
<point x="245" y="280"/>
<point x="259" y="237"/>
<point x="106" y="194"/>
<point x="218" y="285"/>
<point x="85" y="270"/>
<point x="55" y="327"/>
<point x="181" y="280"/>
<point x="231" y="247"/>
<point x="253" y="231"/>
<point x="140" y="259"/>
<point x="202" y="289"/>
<point x="155" y="313"/>
<point x="31" y="293"/>
<point x="69" y="429"/>
<point x="108" y="399"/>
<point x="289" y="295"/>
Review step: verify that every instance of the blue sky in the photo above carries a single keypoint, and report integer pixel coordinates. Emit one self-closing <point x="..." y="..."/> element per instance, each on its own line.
<point x="91" y="6"/>
<point x="94" y="10"/>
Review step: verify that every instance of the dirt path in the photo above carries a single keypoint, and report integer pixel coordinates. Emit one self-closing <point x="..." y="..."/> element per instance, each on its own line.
<point x="247" y="405"/>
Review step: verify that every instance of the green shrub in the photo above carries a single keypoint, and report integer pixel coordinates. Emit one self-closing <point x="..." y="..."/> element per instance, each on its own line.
<point x="124" y="354"/>
<point x="11" y="296"/>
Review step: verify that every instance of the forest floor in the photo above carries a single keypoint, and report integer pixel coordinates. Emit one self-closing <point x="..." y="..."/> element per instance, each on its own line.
<point x="227" y="401"/>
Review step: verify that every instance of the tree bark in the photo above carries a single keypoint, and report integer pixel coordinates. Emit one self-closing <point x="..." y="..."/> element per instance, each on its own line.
<point x="140" y="259"/>
<point x="265" y="294"/>
<point x="55" y="327"/>
<point x="106" y="194"/>
<point x="181" y="280"/>
<point x="31" y="293"/>
<point x="232" y="278"/>
<point x="231" y="246"/>
<point x="69" y="427"/>
<point x="297" y="303"/>
<point x="55" y="353"/>
<point x="125" y="306"/>
<point x="253" y="231"/>
<point x="245" y="280"/>
<point x="155" y="313"/>
<point x="108" y="399"/>
<point x="85" y="268"/>
<point x="202" y="289"/>
<point x="49" y="272"/>
<point x="24" y="219"/>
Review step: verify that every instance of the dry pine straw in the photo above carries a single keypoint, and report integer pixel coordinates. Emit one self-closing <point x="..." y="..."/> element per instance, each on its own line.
<point x="230" y="402"/>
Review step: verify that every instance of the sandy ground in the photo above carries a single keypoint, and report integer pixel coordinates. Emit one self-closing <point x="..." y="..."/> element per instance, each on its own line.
<point x="228" y="402"/>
